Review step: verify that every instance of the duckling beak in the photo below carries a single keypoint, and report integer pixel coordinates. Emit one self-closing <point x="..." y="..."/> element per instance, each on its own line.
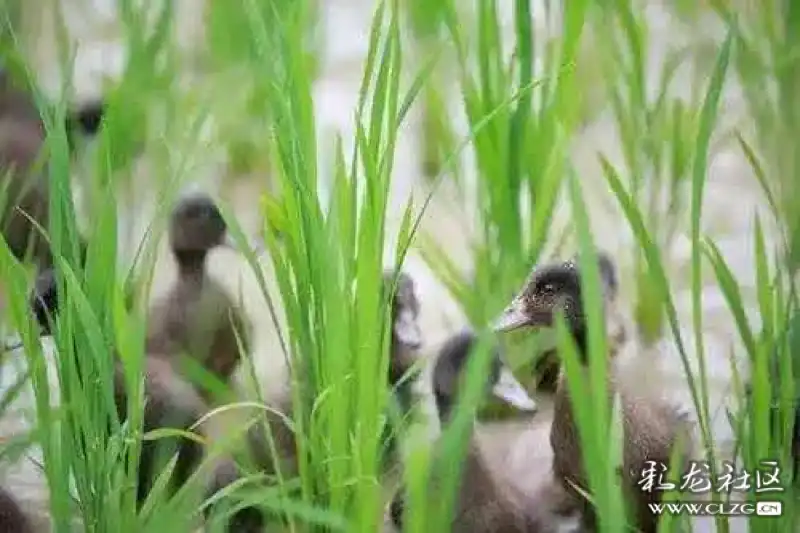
<point x="512" y="318"/>
<point x="512" y="392"/>
<point x="407" y="331"/>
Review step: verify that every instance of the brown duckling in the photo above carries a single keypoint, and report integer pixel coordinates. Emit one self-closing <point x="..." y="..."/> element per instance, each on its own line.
<point x="197" y="317"/>
<point x="245" y="520"/>
<point x="650" y="428"/>
<point x="12" y="518"/>
<point x="484" y="502"/>
<point x="24" y="178"/>
<point x="405" y="343"/>
<point x="170" y="401"/>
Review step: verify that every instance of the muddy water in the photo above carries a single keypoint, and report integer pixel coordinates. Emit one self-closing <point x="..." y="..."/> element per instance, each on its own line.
<point x="449" y="219"/>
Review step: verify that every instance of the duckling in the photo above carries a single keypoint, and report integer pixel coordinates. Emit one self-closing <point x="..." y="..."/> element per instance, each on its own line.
<point x="17" y="103"/>
<point x="12" y="518"/>
<point x="252" y="519"/>
<point x="170" y="402"/>
<point x="650" y="428"/>
<point x="25" y="184"/>
<point x="405" y="343"/>
<point x="197" y="317"/>
<point x="484" y="502"/>
<point x="245" y="520"/>
<point x="406" y="334"/>
<point x="404" y="349"/>
<point x="451" y="362"/>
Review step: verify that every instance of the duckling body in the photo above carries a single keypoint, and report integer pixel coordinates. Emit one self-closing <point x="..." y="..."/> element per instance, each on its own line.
<point x="26" y="192"/>
<point x="650" y="428"/>
<point x="257" y="444"/>
<point x="170" y="402"/>
<point x="485" y="505"/>
<point x="25" y="182"/>
<point x="197" y="317"/>
<point x="485" y="502"/>
<point x="12" y="518"/>
<point x="247" y="520"/>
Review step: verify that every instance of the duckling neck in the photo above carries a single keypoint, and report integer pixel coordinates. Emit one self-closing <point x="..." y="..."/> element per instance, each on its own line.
<point x="191" y="264"/>
<point x="617" y="337"/>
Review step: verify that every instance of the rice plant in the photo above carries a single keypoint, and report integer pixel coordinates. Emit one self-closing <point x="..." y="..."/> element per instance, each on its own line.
<point x="655" y="128"/>
<point x="437" y="139"/>
<point x="329" y="267"/>
<point x="10" y="14"/>
<point x="758" y="436"/>
<point x="526" y="117"/>
<point x="766" y="65"/>
<point x="230" y="54"/>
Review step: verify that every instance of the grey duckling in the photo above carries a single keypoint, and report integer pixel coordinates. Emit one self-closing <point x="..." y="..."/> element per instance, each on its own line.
<point x="405" y="343"/>
<point x="197" y="317"/>
<point x="25" y="182"/>
<point x="651" y="429"/>
<point x="485" y="503"/>
<point x="12" y="518"/>
<point x="170" y="401"/>
<point x="406" y="333"/>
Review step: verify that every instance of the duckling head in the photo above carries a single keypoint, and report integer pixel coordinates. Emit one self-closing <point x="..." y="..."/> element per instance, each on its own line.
<point x="405" y="310"/>
<point x="448" y="375"/>
<point x="87" y="118"/>
<point x="406" y="333"/>
<point x="196" y="227"/>
<point x="43" y="298"/>
<point x="551" y="289"/>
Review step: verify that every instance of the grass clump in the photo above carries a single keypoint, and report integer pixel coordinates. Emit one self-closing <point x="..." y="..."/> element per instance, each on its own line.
<point x="437" y="139"/>
<point x="329" y="263"/>
<point x="766" y="69"/>
<point x="766" y="65"/>
<point x="656" y="131"/>
<point x="520" y="119"/>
